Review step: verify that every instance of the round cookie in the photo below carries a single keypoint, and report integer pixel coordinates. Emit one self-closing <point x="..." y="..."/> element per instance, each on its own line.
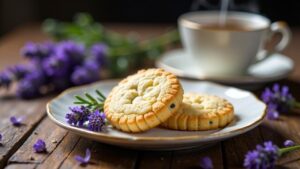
<point x="143" y="100"/>
<point x="201" y="112"/>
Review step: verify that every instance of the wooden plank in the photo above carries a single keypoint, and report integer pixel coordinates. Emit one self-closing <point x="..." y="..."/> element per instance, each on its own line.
<point x="191" y="158"/>
<point x="13" y="137"/>
<point x="103" y="156"/>
<point x="62" y="151"/>
<point x="153" y="159"/>
<point x="21" y="166"/>
<point x="50" y="133"/>
<point x="234" y="149"/>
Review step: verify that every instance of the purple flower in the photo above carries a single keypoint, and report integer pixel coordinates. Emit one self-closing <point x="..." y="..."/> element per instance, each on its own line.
<point x="5" y="79"/>
<point x="78" y="115"/>
<point x="92" y="65"/>
<point x="39" y="146"/>
<point x="263" y="157"/>
<point x="206" y="163"/>
<point x="16" y="121"/>
<point x="27" y="90"/>
<point x="56" y="65"/>
<point x="98" y="53"/>
<point x="96" y="121"/>
<point x="18" y="71"/>
<point x="84" y="75"/>
<point x="272" y="112"/>
<point x="29" y="86"/>
<point x="84" y="160"/>
<point x="279" y="96"/>
<point x="37" y="77"/>
<point x="72" y="51"/>
<point x="37" y="51"/>
<point x="288" y="143"/>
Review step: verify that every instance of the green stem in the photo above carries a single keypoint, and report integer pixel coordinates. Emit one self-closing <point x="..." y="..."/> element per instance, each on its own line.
<point x="288" y="149"/>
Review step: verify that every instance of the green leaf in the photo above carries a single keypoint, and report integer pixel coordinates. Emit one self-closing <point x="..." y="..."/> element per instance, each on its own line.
<point x="90" y="101"/>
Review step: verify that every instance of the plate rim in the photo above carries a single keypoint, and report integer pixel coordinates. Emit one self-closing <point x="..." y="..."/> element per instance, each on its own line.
<point x="228" y="80"/>
<point x="84" y="132"/>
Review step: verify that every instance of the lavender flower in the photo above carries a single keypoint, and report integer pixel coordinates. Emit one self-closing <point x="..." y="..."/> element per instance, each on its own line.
<point x="84" y="75"/>
<point x="16" y="121"/>
<point x="272" y="112"/>
<point x="18" y="71"/>
<point x="206" y="163"/>
<point x="29" y="86"/>
<point x="27" y="90"/>
<point x="84" y="160"/>
<point x="92" y="65"/>
<point x="279" y="96"/>
<point x="78" y="115"/>
<point x="288" y="143"/>
<point x="39" y="146"/>
<point x="56" y="65"/>
<point x="72" y="51"/>
<point x="263" y="157"/>
<point x="98" y="53"/>
<point x="37" y="51"/>
<point x="96" y="121"/>
<point x="37" y="77"/>
<point x="5" y="79"/>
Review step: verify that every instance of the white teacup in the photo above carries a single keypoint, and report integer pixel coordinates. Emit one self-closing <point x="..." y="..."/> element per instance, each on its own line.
<point x="230" y="49"/>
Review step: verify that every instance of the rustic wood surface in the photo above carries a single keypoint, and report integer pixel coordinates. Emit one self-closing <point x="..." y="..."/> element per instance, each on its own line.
<point x="16" y="151"/>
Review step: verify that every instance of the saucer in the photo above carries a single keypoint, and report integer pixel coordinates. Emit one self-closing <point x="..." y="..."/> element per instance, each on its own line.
<point x="246" y="118"/>
<point x="276" y="67"/>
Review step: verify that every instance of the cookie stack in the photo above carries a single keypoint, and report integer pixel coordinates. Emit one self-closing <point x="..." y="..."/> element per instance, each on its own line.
<point x="155" y="97"/>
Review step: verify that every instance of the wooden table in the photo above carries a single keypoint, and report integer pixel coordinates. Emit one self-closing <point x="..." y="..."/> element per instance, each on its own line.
<point x="17" y="152"/>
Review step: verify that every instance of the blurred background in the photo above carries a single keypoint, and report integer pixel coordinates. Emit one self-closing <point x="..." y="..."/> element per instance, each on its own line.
<point x="16" y="12"/>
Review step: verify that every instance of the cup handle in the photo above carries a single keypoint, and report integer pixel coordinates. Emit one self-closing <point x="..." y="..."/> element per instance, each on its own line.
<point x="277" y="27"/>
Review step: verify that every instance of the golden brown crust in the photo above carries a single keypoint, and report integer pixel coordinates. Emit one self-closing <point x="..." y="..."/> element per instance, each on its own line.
<point x="143" y="100"/>
<point x="201" y="112"/>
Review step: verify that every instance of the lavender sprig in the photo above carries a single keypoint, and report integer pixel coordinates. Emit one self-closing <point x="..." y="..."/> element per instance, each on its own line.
<point x="54" y="67"/>
<point x="90" y="101"/>
<point x="266" y="155"/>
<point x="279" y="100"/>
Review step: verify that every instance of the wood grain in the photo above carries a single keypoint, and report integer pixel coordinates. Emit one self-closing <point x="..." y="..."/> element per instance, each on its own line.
<point x="13" y="137"/>
<point x="103" y="156"/>
<point x="152" y="159"/>
<point x="47" y="131"/>
<point x="234" y="149"/>
<point x="21" y="166"/>
<point x="62" y="151"/>
<point x="190" y="159"/>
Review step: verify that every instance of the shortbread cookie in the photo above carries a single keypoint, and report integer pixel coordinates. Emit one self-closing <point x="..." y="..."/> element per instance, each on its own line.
<point x="143" y="100"/>
<point x="201" y="112"/>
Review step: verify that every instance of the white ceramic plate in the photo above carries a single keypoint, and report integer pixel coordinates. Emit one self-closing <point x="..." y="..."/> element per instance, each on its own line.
<point x="249" y="112"/>
<point x="274" y="68"/>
